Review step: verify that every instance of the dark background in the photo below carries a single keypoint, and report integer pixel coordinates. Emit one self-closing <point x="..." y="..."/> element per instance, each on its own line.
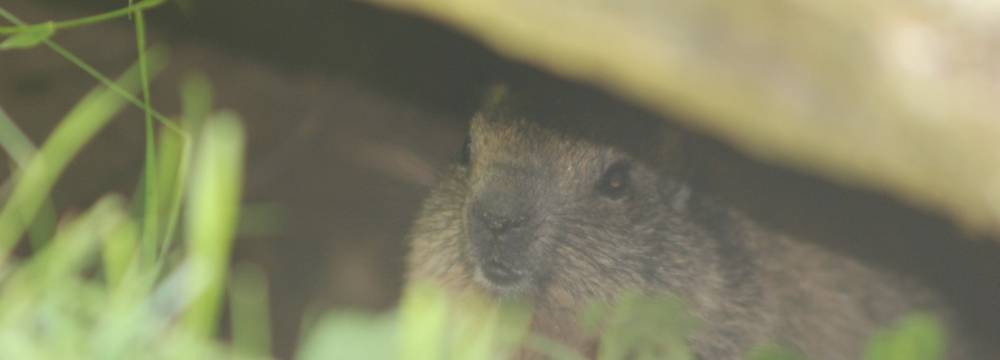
<point x="350" y="110"/>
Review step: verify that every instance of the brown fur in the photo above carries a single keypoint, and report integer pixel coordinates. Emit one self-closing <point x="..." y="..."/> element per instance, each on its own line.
<point x="747" y="284"/>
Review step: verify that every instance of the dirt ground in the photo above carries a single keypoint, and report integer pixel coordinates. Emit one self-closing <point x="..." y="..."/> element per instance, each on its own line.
<point x="350" y="110"/>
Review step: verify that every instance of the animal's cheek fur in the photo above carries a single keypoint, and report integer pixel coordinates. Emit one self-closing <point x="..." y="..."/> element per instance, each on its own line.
<point x="583" y="266"/>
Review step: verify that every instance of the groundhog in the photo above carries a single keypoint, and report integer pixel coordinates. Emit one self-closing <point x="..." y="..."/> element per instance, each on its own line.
<point x="561" y="200"/>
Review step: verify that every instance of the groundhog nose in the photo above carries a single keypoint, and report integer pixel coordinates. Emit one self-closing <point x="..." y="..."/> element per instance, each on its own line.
<point x="499" y="213"/>
<point x="499" y="224"/>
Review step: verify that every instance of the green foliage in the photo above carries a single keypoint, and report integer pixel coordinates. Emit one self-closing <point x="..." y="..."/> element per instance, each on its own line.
<point x="352" y="335"/>
<point x="643" y="327"/>
<point x="213" y="207"/>
<point x="248" y="304"/>
<point x="774" y="352"/>
<point x="428" y="325"/>
<point x="915" y="337"/>
<point x="36" y="179"/>
<point x="132" y="9"/>
<point x="13" y="141"/>
<point x="105" y="286"/>
<point x="29" y="37"/>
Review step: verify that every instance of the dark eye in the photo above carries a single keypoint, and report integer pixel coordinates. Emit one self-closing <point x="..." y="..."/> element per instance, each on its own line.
<point x="614" y="184"/>
<point x="466" y="155"/>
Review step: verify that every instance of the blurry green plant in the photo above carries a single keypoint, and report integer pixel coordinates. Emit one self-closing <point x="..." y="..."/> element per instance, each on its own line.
<point x="430" y="325"/>
<point x="643" y="327"/>
<point x="915" y="337"/>
<point x="111" y="283"/>
<point x="95" y="290"/>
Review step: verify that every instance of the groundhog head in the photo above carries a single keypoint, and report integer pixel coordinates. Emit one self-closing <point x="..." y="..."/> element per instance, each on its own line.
<point x="562" y="199"/>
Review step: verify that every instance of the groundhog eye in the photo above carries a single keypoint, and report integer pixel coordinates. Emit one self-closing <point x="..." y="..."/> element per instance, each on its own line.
<point x="614" y="183"/>
<point x="466" y="155"/>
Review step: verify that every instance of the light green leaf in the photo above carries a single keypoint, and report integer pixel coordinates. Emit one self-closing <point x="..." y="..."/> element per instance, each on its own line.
<point x="352" y="335"/>
<point x="38" y="177"/>
<point x="643" y="327"/>
<point x="774" y="352"/>
<point x="915" y="337"/>
<point x="423" y="322"/>
<point x="250" y="318"/>
<point x="30" y="37"/>
<point x="213" y="212"/>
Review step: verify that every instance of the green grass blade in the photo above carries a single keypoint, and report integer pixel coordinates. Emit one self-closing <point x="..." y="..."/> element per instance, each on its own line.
<point x="251" y="320"/>
<point x="29" y="36"/>
<point x="75" y="242"/>
<point x="13" y="140"/>
<point x="20" y="148"/>
<point x="88" y="20"/>
<point x="118" y="254"/>
<point x="151" y="213"/>
<point x="90" y="70"/>
<point x="174" y="157"/>
<point x="37" y="179"/>
<point x="196" y="102"/>
<point x="212" y="211"/>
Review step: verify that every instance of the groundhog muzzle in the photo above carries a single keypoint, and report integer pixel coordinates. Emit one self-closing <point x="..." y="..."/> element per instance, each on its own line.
<point x="562" y="200"/>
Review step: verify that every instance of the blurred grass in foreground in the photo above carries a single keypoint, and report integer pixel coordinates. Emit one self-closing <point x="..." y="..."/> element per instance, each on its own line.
<point x="92" y="291"/>
<point x="112" y="282"/>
